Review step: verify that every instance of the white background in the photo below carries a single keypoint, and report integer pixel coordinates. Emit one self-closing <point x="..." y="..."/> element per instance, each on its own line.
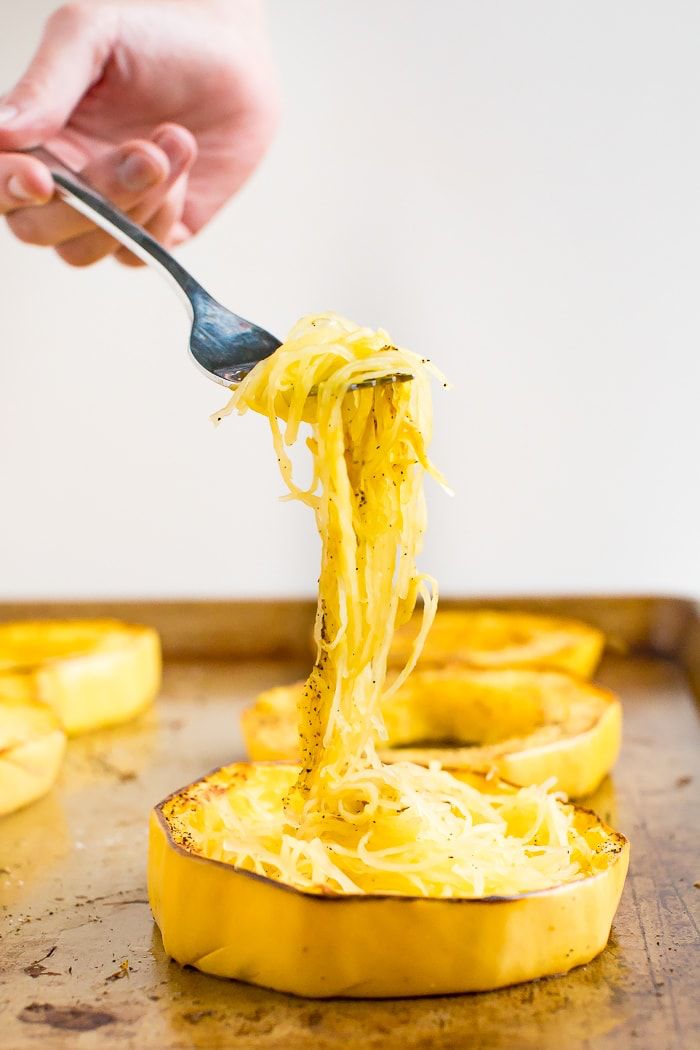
<point x="511" y="188"/>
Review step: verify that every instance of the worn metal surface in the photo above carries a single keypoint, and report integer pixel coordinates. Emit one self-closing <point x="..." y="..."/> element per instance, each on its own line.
<point x="73" y="905"/>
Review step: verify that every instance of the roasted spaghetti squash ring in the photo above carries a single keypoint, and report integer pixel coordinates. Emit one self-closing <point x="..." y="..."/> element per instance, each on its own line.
<point x="32" y="744"/>
<point x="490" y="639"/>
<point x="93" y="673"/>
<point x="527" y="726"/>
<point x="233" y="923"/>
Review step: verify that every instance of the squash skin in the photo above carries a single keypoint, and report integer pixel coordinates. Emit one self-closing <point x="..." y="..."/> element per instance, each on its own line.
<point x="93" y="673"/>
<point x="488" y="638"/>
<point x="32" y="745"/>
<point x="530" y="725"/>
<point x="236" y="924"/>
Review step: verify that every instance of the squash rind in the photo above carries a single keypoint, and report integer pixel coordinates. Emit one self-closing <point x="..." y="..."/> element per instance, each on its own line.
<point x="489" y="638"/>
<point x="32" y="745"/>
<point x="93" y="673"/>
<point x="233" y="923"/>
<point x="531" y="725"/>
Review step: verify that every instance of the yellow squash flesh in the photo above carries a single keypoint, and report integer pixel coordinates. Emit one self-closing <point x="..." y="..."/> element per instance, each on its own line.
<point x="527" y="726"/>
<point x="32" y="744"/>
<point x="93" y="673"/>
<point x="232" y="923"/>
<point x="490" y="639"/>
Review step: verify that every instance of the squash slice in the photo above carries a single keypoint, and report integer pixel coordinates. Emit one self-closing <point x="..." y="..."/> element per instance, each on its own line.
<point x="527" y="726"/>
<point x="233" y="923"/>
<point x="490" y="639"/>
<point x="32" y="744"/>
<point x="93" y="673"/>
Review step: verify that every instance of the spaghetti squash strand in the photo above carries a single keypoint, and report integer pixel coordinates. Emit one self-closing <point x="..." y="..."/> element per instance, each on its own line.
<point x="350" y="823"/>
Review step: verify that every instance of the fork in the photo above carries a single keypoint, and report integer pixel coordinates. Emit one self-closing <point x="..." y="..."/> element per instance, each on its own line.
<point x="224" y="346"/>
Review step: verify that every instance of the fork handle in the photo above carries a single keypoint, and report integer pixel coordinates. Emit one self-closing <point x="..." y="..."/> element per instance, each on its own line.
<point x="84" y="198"/>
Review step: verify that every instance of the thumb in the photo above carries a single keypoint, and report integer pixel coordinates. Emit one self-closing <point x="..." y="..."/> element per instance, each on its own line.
<point x="74" y="49"/>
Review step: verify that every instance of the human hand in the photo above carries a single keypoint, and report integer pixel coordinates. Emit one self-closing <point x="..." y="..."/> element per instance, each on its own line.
<point x="165" y="106"/>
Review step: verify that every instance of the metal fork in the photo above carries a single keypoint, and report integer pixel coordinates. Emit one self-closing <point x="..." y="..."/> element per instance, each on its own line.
<point x="223" y="345"/>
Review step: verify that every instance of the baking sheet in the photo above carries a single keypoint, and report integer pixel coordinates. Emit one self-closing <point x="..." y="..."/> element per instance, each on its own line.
<point x="81" y="963"/>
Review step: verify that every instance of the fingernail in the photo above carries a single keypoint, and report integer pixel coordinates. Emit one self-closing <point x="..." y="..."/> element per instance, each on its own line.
<point x="18" y="191"/>
<point x="7" y="114"/>
<point x="137" y="172"/>
<point x="171" y="143"/>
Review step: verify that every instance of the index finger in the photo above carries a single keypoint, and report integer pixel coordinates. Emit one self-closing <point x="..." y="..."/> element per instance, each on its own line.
<point x="24" y="181"/>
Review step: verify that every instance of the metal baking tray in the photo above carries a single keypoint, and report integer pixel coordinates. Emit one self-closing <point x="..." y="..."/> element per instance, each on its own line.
<point x="81" y="963"/>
